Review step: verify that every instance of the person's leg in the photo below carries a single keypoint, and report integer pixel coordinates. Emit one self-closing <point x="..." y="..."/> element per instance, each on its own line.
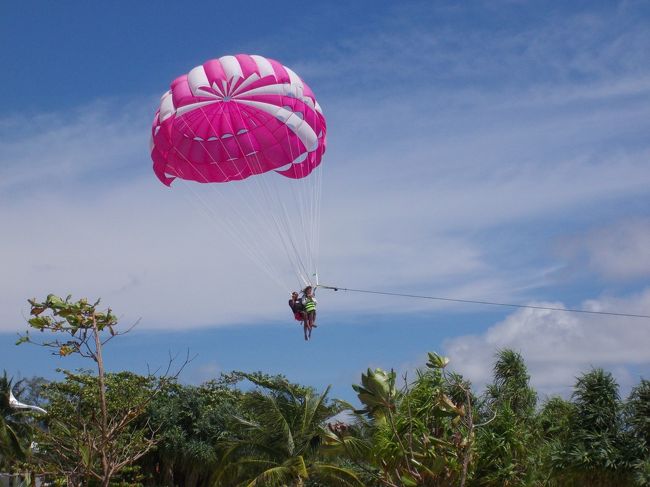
<point x="305" y="325"/>
<point x="310" y="320"/>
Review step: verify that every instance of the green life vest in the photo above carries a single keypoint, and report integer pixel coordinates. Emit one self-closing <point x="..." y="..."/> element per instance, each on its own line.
<point x="310" y="305"/>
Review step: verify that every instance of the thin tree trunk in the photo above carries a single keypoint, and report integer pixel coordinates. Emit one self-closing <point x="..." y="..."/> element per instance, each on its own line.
<point x="102" y="404"/>
<point x="468" y="447"/>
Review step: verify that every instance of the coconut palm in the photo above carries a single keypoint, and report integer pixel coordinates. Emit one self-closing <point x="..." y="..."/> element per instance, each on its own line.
<point x="279" y="437"/>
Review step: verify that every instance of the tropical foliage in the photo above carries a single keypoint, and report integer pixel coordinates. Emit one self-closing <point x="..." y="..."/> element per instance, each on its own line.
<point x="426" y="428"/>
<point x="257" y="430"/>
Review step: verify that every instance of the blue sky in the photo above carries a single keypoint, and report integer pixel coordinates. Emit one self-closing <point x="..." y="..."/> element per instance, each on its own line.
<point x="493" y="151"/>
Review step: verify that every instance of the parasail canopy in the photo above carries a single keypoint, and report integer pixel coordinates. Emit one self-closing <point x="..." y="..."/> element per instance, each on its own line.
<point x="244" y="120"/>
<point x="234" y="117"/>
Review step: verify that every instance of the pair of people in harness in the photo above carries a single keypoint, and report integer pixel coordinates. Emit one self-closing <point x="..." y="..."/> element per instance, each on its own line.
<point x="304" y="309"/>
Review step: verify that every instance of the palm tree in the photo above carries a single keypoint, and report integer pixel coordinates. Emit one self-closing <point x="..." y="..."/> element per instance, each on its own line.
<point x="279" y="438"/>
<point x="14" y="432"/>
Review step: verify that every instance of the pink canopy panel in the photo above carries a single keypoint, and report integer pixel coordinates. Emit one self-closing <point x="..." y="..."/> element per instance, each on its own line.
<point x="234" y="117"/>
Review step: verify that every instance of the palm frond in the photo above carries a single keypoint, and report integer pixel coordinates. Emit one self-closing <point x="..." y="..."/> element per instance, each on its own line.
<point x="333" y="475"/>
<point x="292" y="469"/>
<point x="310" y="410"/>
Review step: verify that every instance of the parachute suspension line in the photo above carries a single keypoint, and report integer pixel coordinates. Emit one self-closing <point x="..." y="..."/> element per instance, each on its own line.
<point x="315" y="181"/>
<point x="308" y="202"/>
<point x="254" y="253"/>
<point x="301" y="203"/>
<point x="298" y="233"/>
<point x="236" y="227"/>
<point x="316" y="190"/>
<point x="318" y="184"/>
<point x="254" y="196"/>
<point x="283" y="223"/>
<point x="286" y="224"/>
<point x="263" y="199"/>
<point x="251" y="252"/>
<point x="255" y="209"/>
<point x="315" y="217"/>
<point x="490" y="303"/>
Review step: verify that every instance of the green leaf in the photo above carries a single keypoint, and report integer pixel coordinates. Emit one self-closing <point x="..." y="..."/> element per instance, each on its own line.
<point x="408" y="480"/>
<point x="437" y="361"/>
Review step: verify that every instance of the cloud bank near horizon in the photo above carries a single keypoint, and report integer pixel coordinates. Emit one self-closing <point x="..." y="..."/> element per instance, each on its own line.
<point x="558" y="347"/>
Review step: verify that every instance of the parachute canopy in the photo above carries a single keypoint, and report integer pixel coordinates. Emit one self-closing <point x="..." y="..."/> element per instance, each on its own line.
<point x="234" y="117"/>
<point x="243" y="120"/>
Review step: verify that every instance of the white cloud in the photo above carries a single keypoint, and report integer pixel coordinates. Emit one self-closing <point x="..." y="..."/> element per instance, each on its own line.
<point x="101" y="139"/>
<point x="559" y="346"/>
<point x="617" y="251"/>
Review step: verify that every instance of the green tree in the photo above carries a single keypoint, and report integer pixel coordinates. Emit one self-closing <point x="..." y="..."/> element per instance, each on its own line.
<point x="508" y="446"/>
<point x="637" y="416"/>
<point x="555" y="421"/>
<point x="191" y="422"/>
<point x="102" y="434"/>
<point x="599" y="452"/>
<point x="277" y="438"/>
<point x="73" y="444"/>
<point x="418" y="435"/>
<point x="638" y="411"/>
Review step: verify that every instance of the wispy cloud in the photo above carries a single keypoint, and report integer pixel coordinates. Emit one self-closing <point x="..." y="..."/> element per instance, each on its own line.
<point x="91" y="142"/>
<point x="498" y="46"/>
<point x="617" y="251"/>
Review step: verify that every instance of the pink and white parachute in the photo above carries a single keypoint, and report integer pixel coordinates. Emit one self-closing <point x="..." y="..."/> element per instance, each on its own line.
<point x="242" y="120"/>
<point x="234" y="117"/>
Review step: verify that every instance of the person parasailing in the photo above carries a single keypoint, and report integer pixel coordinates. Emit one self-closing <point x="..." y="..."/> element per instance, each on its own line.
<point x="296" y="306"/>
<point x="309" y="302"/>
